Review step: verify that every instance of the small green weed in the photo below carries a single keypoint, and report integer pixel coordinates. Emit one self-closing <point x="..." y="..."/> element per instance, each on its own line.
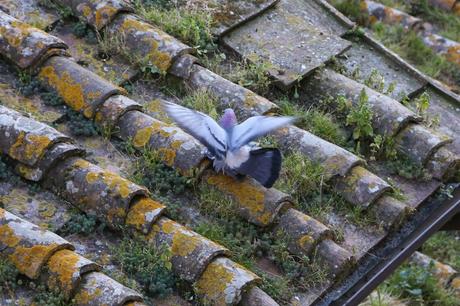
<point x="376" y="81"/>
<point x="46" y="297"/>
<point x="151" y="267"/>
<point x="81" y="126"/>
<point x="8" y="276"/>
<point x="300" y="177"/>
<point x="403" y="166"/>
<point x="420" y="286"/>
<point x="360" y="118"/>
<point x="158" y="177"/>
<point x="80" y="223"/>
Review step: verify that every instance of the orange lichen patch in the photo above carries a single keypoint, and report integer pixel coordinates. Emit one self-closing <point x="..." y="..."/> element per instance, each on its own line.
<point x="104" y="14"/>
<point x="455" y="283"/>
<point x="305" y="241"/>
<point x="29" y="260"/>
<point x="167" y="155"/>
<point x="16" y="37"/>
<point x="70" y="90"/>
<point x="247" y="195"/>
<point x="442" y="271"/>
<point x="29" y="147"/>
<point x="81" y="163"/>
<point x="2" y="213"/>
<point x="137" y="215"/>
<point x="64" y="264"/>
<point x="92" y="177"/>
<point x="453" y="54"/>
<point x="86" y="297"/>
<point x="169" y="226"/>
<point x="114" y="181"/>
<point x="142" y="136"/>
<point x="176" y="144"/>
<point x="7" y="235"/>
<point x="184" y="244"/>
<point x="213" y="282"/>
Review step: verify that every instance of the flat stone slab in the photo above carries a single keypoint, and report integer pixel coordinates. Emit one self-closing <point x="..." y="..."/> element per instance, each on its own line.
<point x="364" y="58"/>
<point x="285" y="39"/>
<point x="228" y="14"/>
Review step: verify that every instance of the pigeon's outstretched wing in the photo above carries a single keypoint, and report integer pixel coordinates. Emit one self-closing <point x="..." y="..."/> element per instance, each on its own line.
<point x="255" y="127"/>
<point x="200" y="126"/>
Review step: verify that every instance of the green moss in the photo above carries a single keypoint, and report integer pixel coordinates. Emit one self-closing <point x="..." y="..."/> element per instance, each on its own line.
<point x="47" y="297"/>
<point x="159" y="178"/>
<point x="80" y="125"/>
<point x="80" y="223"/>
<point x="8" y="276"/>
<point x="151" y="267"/>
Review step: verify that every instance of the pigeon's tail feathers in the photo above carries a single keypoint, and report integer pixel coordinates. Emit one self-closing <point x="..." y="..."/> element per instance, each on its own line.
<point x="263" y="165"/>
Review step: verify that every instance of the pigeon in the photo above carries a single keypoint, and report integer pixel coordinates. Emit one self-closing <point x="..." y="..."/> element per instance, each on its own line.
<point x="230" y="145"/>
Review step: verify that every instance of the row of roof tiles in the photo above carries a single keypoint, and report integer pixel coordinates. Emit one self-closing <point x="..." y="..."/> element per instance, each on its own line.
<point x="92" y="104"/>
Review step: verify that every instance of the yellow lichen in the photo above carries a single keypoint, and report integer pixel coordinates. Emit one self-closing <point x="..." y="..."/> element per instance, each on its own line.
<point x="176" y="144"/>
<point x="114" y="181"/>
<point x="305" y="241"/>
<point x="167" y="155"/>
<point x="8" y="237"/>
<point x="142" y="137"/>
<point x="29" y="260"/>
<point x="85" y="297"/>
<point x="70" y="90"/>
<point x="64" y="265"/>
<point x="137" y="214"/>
<point x="81" y="163"/>
<point x="168" y="226"/>
<point x="455" y="283"/>
<point x="214" y="282"/>
<point x="92" y="177"/>
<point x="29" y="147"/>
<point x="247" y="195"/>
<point x="104" y="14"/>
<point x="184" y="244"/>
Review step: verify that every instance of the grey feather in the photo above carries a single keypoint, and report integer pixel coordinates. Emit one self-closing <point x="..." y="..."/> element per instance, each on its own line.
<point x="200" y="126"/>
<point x="255" y="127"/>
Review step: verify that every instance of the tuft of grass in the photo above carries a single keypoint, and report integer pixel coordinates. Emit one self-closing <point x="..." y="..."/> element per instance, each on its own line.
<point x="190" y="25"/>
<point x="151" y="267"/>
<point x="314" y="120"/>
<point x="203" y="101"/>
<point x="300" y="177"/>
<point x="403" y="166"/>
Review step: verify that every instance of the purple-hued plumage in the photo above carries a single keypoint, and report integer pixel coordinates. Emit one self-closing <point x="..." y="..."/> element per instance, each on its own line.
<point x="228" y="143"/>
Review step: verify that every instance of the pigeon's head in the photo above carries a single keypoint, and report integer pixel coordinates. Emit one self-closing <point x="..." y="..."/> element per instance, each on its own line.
<point x="228" y="119"/>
